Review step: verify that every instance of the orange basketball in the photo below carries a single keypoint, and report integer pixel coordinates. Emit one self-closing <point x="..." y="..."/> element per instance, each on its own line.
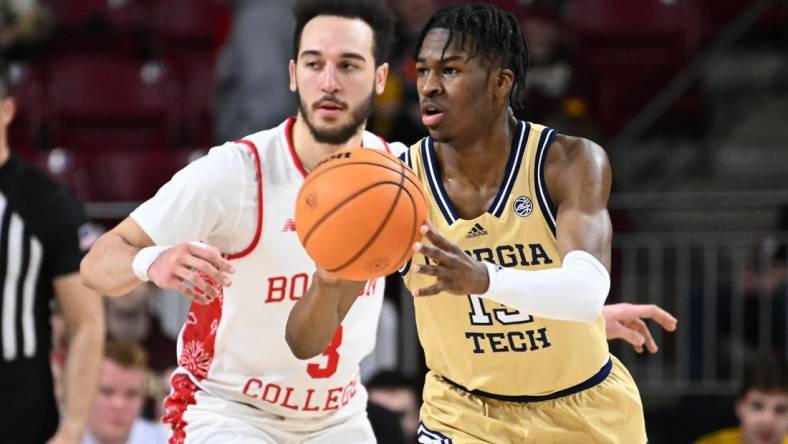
<point x="359" y="213"/>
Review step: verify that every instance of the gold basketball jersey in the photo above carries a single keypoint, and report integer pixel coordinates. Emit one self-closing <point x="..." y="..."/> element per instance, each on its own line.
<point x="477" y="343"/>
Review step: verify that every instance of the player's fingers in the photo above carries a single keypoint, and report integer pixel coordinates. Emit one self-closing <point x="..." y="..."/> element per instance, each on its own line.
<point x="429" y="270"/>
<point x="198" y="285"/>
<point x="660" y="316"/>
<point x="436" y="239"/>
<point x="429" y="291"/>
<point x="633" y="337"/>
<point x="642" y="328"/>
<point x="438" y="255"/>
<point x="208" y="269"/>
<point x="187" y="289"/>
<point x="212" y="255"/>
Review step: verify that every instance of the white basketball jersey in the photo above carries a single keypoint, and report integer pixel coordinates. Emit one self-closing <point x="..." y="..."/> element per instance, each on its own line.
<point x="235" y="348"/>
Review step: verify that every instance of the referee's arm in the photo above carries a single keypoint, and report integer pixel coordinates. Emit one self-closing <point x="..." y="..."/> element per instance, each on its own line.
<point x="83" y="313"/>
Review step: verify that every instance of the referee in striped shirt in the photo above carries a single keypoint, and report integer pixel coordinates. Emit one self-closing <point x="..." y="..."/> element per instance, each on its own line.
<point x="40" y="252"/>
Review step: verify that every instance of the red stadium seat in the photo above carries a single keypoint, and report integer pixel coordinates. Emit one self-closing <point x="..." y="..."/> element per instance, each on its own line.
<point x="647" y="19"/>
<point x="120" y="14"/>
<point x="630" y="50"/>
<point x="197" y="73"/>
<point x="76" y="13"/>
<point x="67" y="167"/>
<point x="100" y="102"/>
<point x="716" y="15"/>
<point x="188" y="22"/>
<point x="27" y="88"/>
<point x="133" y="174"/>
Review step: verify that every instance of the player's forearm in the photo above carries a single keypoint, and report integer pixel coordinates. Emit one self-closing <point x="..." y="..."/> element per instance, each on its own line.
<point x="574" y="292"/>
<point x="316" y="316"/>
<point x="107" y="268"/>
<point x="80" y="379"/>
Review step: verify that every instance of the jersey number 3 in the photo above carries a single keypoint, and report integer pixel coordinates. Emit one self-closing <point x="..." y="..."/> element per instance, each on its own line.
<point x="331" y="353"/>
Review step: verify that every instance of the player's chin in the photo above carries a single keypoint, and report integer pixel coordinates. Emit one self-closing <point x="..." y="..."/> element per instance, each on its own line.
<point x="438" y="135"/>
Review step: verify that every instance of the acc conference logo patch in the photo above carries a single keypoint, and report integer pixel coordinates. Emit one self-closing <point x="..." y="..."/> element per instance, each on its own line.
<point x="522" y="206"/>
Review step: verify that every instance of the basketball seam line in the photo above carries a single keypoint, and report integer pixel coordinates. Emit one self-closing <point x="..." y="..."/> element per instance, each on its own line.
<point x="377" y="232"/>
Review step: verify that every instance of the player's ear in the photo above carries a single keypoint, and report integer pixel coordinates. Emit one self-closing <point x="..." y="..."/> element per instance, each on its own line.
<point x="503" y="83"/>
<point x="291" y="68"/>
<point x="381" y="73"/>
<point x="739" y="408"/>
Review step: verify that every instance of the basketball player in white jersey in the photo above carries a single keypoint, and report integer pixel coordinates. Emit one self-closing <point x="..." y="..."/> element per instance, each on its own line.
<point x="237" y="380"/>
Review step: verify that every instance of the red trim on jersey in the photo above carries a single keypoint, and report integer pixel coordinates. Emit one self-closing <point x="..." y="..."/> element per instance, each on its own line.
<point x="385" y="144"/>
<point x="180" y="398"/>
<point x="259" y="228"/>
<point x="289" y="136"/>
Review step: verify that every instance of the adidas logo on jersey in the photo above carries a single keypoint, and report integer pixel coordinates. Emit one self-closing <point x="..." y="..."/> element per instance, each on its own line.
<point x="289" y="226"/>
<point x="476" y="231"/>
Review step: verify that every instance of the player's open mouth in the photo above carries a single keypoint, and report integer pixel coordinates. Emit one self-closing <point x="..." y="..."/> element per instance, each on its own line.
<point x="431" y="114"/>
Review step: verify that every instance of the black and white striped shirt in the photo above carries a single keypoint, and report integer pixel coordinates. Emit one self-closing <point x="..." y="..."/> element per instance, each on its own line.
<point x="40" y="222"/>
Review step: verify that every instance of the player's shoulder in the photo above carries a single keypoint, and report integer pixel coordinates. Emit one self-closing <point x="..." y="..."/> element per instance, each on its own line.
<point x="240" y="151"/>
<point x="725" y="436"/>
<point x="372" y="140"/>
<point x="573" y="152"/>
<point x="262" y="139"/>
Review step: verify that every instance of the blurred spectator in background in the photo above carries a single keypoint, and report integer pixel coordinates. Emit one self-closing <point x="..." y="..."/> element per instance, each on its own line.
<point x="129" y="319"/>
<point x="23" y="24"/>
<point x="766" y="282"/>
<point x="397" y="115"/>
<point x="762" y="407"/>
<point x="251" y="89"/>
<point x="554" y="92"/>
<point x="115" y="417"/>
<point x="399" y="394"/>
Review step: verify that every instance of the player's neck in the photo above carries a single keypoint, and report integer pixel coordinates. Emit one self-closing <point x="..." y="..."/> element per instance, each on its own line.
<point x="479" y="159"/>
<point x="310" y="152"/>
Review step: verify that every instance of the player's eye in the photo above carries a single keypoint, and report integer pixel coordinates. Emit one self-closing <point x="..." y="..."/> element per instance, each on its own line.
<point x="312" y="65"/>
<point x="421" y="72"/>
<point x="449" y="71"/>
<point x="347" y="67"/>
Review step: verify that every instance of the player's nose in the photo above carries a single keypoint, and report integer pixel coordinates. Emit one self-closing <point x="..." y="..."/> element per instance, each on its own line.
<point x="430" y="84"/>
<point x="328" y="80"/>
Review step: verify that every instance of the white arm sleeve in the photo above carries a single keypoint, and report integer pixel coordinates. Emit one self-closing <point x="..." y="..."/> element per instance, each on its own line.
<point x="574" y="292"/>
<point x="200" y="202"/>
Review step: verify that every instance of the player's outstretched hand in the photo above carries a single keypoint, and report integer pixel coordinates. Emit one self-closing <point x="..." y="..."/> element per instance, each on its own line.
<point x="196" y="270"/>
<point x="626" y="321"/>
<point x="455" y="272"/>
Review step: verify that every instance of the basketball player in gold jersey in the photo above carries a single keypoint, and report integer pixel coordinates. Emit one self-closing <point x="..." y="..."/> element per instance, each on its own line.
<point x="510" y="289"/>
